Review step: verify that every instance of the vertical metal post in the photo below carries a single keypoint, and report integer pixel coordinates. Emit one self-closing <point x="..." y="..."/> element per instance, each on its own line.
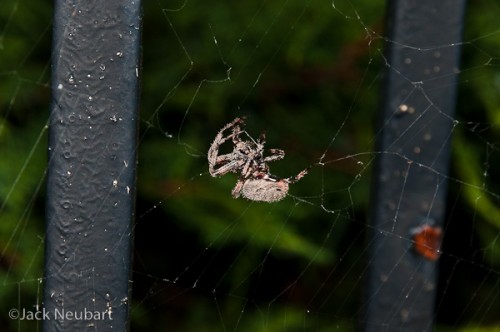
<point x="408" y="202"/>
<point x="92" y="162"/>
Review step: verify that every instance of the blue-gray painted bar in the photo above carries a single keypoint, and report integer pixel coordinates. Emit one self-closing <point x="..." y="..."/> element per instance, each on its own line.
<point x="92" y="163"/>
<point x="409" y="187"/>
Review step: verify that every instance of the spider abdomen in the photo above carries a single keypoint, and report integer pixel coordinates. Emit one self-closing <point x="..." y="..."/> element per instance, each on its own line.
<point x="264" y="190"/>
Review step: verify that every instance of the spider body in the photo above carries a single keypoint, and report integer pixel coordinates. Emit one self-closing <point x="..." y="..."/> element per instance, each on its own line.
<point x="248" y="161"/>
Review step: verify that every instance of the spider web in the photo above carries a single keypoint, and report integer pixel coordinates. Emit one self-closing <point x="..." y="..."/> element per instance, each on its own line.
<point x="308" y="74"/>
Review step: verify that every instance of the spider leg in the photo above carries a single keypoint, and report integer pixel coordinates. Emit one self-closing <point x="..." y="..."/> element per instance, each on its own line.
<point x="237" y="189"/>
<point x="220" y="139"/>
<point x="262" y="138"/>
<point x="260" y="141"/>
<point x="236" y="134"/>
<point x="275" y="154"/>
<point x="214" y="159"/>
<point x="228" y="167"/>
<point x="213" y="151"/>
<point x="246" y="171"/>
<point x="233" y="123"/>
<point x="297" y="177"/>
<point x="224" y="159"/>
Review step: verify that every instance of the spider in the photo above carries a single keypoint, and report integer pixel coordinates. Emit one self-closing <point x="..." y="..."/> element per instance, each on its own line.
<point x="247" y="159"/>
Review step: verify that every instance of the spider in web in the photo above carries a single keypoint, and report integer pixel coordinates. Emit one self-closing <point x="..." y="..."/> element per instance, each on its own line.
<point x="247" y="159"/>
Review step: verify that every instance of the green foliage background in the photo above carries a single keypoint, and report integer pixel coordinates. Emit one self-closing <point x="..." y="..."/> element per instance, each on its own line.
<point x="307" y="73"/>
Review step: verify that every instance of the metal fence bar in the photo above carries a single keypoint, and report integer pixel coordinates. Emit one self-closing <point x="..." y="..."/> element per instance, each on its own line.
<point x="92" y="159"/>
<point x="410" y="174"/>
